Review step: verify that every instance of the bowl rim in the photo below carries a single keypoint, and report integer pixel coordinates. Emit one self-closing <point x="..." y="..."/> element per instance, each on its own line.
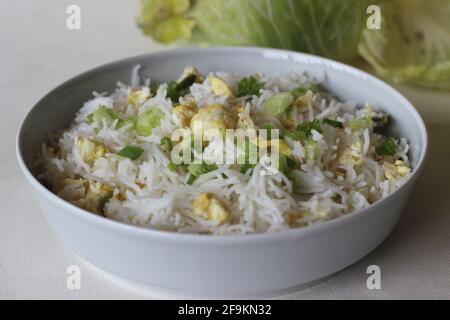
<point x="300" y="58"/>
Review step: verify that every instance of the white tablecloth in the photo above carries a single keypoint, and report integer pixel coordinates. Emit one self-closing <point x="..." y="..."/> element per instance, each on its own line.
<point x="38" y="52"/>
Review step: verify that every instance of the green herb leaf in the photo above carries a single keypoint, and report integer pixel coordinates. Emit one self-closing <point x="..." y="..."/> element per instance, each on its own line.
<point x="131" y="152"/>
<point x="249" y="86"/>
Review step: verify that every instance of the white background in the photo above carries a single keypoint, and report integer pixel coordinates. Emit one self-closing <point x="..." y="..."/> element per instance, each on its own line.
<point x="37" y="53"/>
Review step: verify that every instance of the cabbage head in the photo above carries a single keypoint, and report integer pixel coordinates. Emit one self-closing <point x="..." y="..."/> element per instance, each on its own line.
<point x="330" y="28"/>
<point x="413" y="44"/>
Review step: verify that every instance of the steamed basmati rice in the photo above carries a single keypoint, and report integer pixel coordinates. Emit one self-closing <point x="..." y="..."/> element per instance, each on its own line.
<point x="344" y="174"/>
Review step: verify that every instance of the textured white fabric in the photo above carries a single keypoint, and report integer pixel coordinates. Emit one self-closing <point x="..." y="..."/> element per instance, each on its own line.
<point x="37" y="53"/>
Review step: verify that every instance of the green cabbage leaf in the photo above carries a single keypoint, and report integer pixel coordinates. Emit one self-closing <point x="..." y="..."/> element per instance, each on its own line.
<point x="413" y="44"/>
<point x="325" y="27"/>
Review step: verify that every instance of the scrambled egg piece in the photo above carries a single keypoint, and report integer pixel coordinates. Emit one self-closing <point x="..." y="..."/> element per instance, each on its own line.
<point x="95" y="196"/>
<point x="183" y="113"/>
<point x="137" y="97"/>
<point x="90" y="150"/>
<point x="192" y="71"/>
<point x="239" y="108"/>
<point x="294" y="216"/>
<point x="352" y="154"/>
<point x="395" y="171"/>
<point x="279" y="144"/>
<point x="213" y="116"/>
<point x="340" y="173"/>
<point x="209" y="207"/>
<point x="220" y="87"/>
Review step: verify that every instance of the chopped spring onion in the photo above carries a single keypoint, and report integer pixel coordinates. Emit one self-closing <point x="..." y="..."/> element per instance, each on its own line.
<point x="198" y="169"/>
<point x="381" y="119"/>
<point x="359" y="123"/>
<point x="289" y="110"/>
<point x="277" y="103"/>
<point x="269" y="127"/>
<point x="283" y="164"/>
<point x="166" y="144"/>
<point x="311" y="149"/>
<point x="131" y="120"/>
<point x="333" y="123"/>
<point x="148" y="120"/>
<point x="186" y="82"/>
<point x="303" y="130"/>
<point x="245" y="167"/>
<point x="102" y="112"/>
<point x="172" y="166"/>
<point x="110" y="115"/>
<point x="313" y="125"/>
<point x="177" y="89"/>
<point x="191" y="179"/>
<point x="172" y="92"/>
<point x="280" y="163"/>
<point x="249" y="86"/>
<point x="245" y="158"/>
<point x="154" y="88"/>
<point x="131" y="152"/>
<point x="387" y="148"/>
<point x="300" y="91"/>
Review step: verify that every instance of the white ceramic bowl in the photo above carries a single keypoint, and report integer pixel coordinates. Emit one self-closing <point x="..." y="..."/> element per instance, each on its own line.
<point x="221" y="266"/>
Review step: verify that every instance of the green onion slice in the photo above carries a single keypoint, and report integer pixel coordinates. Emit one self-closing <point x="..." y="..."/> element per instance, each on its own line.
<point x="166" y="144"/>
<point x="387" y="148"/>
<point x="131" y="152"/>
<point x="277" y="103"/>
<point x="148" y="120"/>
<point x="333" y="123"/>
